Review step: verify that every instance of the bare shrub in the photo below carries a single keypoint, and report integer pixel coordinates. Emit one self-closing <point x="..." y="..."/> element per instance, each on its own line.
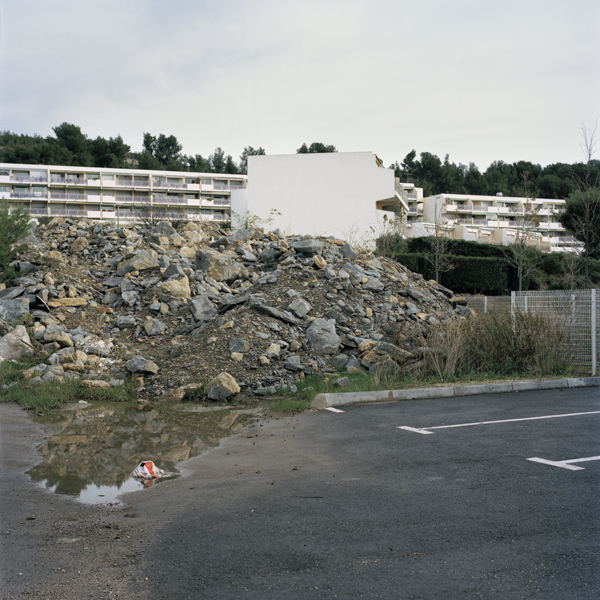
<point x="518" y="343"/>
<point x="442" y="346"/>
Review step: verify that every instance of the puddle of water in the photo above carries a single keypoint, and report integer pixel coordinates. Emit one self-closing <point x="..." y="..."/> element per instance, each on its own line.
<point x="91" y="452"/>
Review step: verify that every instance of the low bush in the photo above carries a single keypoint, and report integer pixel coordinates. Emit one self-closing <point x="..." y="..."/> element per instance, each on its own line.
<point x="500" y="343"/>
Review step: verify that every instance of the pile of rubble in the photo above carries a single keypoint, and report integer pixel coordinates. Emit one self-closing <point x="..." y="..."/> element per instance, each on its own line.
<point x="245" y="310"/>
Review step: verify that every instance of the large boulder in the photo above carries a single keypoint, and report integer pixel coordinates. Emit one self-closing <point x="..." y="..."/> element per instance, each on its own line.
<point x="220" y="267"/>
<point x="321" y="336"/>
<point x="223" y="386"/>
<point x="12" y="346"/>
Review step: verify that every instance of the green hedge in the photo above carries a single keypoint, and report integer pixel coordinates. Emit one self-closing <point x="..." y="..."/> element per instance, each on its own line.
<point x="458" y="247"/>
<point x="487" y="275"/>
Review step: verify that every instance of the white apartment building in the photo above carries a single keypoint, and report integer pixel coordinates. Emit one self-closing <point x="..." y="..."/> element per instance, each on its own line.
<point x="490" y="219"/>
<point x="330" y="194"/>
<point x="115" y="194"/>
<point x="341" y="194"/>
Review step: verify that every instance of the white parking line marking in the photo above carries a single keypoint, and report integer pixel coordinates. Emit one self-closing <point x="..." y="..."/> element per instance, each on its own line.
<point x="565" y="464"/>
<point x="335" y="410"/>
<point x="425" y="430"/>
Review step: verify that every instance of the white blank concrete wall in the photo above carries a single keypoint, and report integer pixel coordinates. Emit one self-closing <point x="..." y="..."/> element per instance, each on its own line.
<point x="319" y="194"/>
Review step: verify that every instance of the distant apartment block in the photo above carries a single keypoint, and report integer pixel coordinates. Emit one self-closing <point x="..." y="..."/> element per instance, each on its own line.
<point x="341" y="194"/>
<point x="118" y="194"/>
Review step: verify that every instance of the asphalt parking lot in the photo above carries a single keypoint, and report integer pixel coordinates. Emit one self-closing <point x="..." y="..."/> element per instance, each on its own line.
<point x="416" y="499"/>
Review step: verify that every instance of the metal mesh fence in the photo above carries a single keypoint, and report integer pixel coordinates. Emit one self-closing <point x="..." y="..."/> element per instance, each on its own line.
<point x="484" y="304"/>
<point x="576" y="309"/>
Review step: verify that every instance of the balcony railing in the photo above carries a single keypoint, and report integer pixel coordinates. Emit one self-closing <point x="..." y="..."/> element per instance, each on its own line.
<point x="219" y="218"/>
<point x="133" y="199"/>
<point x="19" y="179"/>
<point x="415" y="211"/>
<point x="412" y="196"/>
<point x="38" y="211"/>
<point x="68" y="212"/>
<point x="68" y="181"/>
<point x="222" y="186"/>
<point x="510" y="209"/>
<point x="166" y="184"/>
<point x="221" y="202"/>
<point x="26" y="195"/>
<point x="55" y="196"/>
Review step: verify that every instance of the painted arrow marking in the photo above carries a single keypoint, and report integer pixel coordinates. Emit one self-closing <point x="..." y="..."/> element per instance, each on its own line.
<point x="565" y="464"/>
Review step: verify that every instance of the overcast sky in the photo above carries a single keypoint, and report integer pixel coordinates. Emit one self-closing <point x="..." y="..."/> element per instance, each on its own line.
<point x="480" y="80"/>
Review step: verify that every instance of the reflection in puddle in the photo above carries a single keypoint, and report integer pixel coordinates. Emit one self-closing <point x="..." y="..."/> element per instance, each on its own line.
<point x="92" y="452"/>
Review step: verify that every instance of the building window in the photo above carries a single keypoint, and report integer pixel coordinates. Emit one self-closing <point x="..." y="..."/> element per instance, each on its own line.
<point x="206" y="181"/>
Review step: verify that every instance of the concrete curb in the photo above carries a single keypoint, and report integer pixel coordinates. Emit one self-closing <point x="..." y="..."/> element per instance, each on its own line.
<point x="322" y="401"/>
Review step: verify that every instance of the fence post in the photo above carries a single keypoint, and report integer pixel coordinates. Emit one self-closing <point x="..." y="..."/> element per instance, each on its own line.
<point x="485" y="305"/>
<point x="525" y="307"/>
<point x="512" y="304"/>
<point x="593" y="333"/>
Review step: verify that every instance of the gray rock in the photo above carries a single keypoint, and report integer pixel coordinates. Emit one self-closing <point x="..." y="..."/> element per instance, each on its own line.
<point x="347" y="252"/>
<point x="202" y="308"/>
<point x="12" y="346"/>
<point x="293" y="363"/>
<point x="173" y="270"/>
<point x="339" y="361"/>
<point x="342" y="382"/>
<point x="321" y="336"/>
<point x="113" y="281"/>
<point x="223" y="386"/>
<point x="238" y="345"/>
<point x="13" y="309"/>
<point x="249" y="233"/>
<point x="125" y="321"/>
<point x="270" y="254"/>
<point x="110" y="298"/>
<point x="130" y="298"/>
<point x="374" y="284"/>
<point x="309" y="246"/>
<point x="154" y="327"/>
<point x="164" y="228"/>
<point x="139" y="364"/>
<point x="246" y="255"/>
<point x="11" y="292"/>
<point x="353" y="363"/>
<point x="300" y="307"/>
<point x="96" y="351"/>
<point x="24" y="281"/>
<point x="218" y="266"/>
<point x="258" y="304"/>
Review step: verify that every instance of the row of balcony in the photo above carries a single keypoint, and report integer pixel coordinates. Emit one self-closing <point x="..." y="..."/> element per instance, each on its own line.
<point x="123" y="183"/>
<point x="71" y="212"/>
<point x="120" y="199"/>
<point x="499" y="209"/>
<point x="511" y="224"/>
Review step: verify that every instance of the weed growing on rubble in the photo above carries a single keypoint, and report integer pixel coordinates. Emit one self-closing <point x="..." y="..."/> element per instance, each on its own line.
<point x="53" y="394"/>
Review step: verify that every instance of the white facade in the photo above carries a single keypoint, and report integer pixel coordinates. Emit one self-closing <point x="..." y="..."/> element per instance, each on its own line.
<point x="329" y="194"/>
<point x="489" y="219"/>
<point x="114" y="194"/>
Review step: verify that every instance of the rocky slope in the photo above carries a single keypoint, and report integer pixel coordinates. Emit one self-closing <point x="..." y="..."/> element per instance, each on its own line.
<point x="170" y="308"/>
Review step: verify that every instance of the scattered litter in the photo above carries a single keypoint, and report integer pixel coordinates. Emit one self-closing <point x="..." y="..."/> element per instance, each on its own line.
<point x="147" y="472"/>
